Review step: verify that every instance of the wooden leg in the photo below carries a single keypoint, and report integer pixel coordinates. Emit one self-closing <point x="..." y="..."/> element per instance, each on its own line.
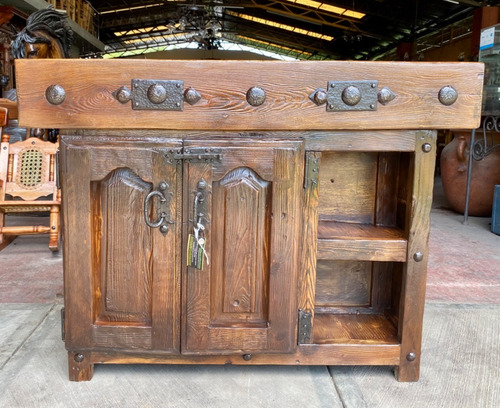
<point x="54" y="229"/>
<point x="415" y="269"/>
<point x="79" y="366"/>
<point x="2" y="223"/>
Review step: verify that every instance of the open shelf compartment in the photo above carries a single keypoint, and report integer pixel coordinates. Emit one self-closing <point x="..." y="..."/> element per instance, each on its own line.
<point x="353" y="329"/>
<point x="362" y="245"/>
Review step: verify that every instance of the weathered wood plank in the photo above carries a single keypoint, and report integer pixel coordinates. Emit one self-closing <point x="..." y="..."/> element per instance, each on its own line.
<point x="343" y="284"/>
<point x="350" y="241"/>
<point x="355" y="329"/>
<point x="348" y="186"/>
<point x="415" y="269"/>
<point x="308" y="246"/>
<point x="77" y="246"/>
<point x="223" y="85"/>
<point x="362" y="249"/>
<point x="306" y="354"/>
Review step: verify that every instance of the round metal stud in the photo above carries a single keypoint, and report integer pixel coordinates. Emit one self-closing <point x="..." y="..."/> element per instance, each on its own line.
<point x="319" y="97"/>
<point x="78" y="357"/>
<point x="426" y="147"/>
<point x="385" y="95"/>
<point x="447" y="95"/>
<point x="411" y="356"/>
<point x="191" y="96"/>
<point x="55" y="94"/>
<point x="247" y="357"/>
<point x="256" y="96"/>
<point x="418" y="256"/>
<point x="123" y="95"/>
<point x="163" y="229"/>
<point x="351" y="95"/>
<point x="157" y="94"/>
<point x="163" y="185"/>
<point x="202" y="185"/>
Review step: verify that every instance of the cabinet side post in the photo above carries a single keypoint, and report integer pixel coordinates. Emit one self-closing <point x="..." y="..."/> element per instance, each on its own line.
<point x="418" y="208"/>
<point x="80" y="367"/>
<point x="308" y="249"/>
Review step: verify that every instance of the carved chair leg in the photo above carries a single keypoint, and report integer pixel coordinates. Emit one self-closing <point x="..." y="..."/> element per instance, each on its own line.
<point x="54" y="228"/>
<point x="79" y="366"/>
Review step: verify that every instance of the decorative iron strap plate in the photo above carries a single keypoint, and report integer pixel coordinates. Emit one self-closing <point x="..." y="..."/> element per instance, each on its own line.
<point x="195" y="155"/>
<point x="351" y="96"/>
<point x="150" y="94"/>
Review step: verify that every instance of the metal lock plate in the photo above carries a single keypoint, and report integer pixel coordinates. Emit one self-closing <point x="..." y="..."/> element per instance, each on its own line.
<point x="351" y="96"/>
<point x="148" y="94"/>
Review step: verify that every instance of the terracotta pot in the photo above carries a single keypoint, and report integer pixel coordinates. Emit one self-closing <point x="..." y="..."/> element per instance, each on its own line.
<point x="485" y="175"/>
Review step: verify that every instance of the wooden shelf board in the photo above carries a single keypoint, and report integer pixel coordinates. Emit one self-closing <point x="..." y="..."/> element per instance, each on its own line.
<point x="363" y="242"/>
<point x="353" y="329"/>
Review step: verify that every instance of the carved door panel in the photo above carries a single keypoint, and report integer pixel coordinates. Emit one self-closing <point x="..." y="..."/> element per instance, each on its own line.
<point x="245" y="209"/>
<point x="122" y="275"/>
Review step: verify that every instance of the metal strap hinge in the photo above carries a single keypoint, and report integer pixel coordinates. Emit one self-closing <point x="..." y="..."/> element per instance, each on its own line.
<point x="311" y="173"/>
<point x="305" y="327"/>
<point x="63" y="318"/>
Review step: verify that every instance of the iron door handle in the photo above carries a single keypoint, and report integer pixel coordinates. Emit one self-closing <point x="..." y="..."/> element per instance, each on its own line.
<point x="163" y="220"/>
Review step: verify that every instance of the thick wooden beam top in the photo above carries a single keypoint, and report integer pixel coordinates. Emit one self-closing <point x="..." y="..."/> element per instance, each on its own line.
<point x="89" y="102"/>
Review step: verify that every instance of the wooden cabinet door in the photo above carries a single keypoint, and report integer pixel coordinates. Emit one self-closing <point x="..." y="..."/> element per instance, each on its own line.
<point x="121" y="275"/>
<point x="244" y="297"/>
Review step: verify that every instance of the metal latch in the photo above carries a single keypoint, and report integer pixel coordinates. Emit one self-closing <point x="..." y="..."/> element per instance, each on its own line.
<point x="195" y="155"/>
<point x="152" y="94"/>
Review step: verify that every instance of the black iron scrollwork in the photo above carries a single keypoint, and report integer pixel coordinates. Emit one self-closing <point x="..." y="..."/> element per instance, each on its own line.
<point x="485" y="145"/>
<point x="480" y="148"/>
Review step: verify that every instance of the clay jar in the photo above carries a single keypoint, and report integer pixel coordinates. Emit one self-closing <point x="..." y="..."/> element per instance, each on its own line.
<point x="485" y="175"/>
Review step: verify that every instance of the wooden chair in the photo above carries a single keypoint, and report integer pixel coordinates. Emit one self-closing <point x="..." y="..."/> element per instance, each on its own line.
<point x="28" y="183"/>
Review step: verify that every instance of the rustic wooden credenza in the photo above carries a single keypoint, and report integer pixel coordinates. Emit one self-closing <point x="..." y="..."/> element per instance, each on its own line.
<point x="232" y="212"/>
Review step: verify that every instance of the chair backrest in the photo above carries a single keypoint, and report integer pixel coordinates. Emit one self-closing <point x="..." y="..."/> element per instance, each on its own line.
<point x="28" y="169"/>
<point x="11" y="106"/>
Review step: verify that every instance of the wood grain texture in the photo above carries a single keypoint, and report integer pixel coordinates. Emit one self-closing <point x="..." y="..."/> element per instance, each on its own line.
<point x="251" y="219"/>
<point x="317" y="140"/>
<point x="122" y="294"/>
<point x="80" y="366"/>
<point x="78" y="260"/>
<point x="308" y="244"/>
<point x="223" y="85"/>
<point x="414" y="272"/>
<point x="242" y="204"/>
<point x="306" y="354"/>
<point x="360" y="140"/>
<point x="348" y="186"/>
<point x="343" y="284"/>
<point x="387" y="187"/>
<point x="9" y="110"/>
<point x="350" y="241"/>
<point x="134" y="296"/>
<point x="362" y="328"/>
<point x="166" y="259"/>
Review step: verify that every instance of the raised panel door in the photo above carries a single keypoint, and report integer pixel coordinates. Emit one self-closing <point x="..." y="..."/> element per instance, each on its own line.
<point x="243" y="298"/>
<point x="122" y="275"/>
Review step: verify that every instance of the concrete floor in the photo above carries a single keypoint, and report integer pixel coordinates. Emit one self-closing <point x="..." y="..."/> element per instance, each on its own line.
<point x="460" y="357"/>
